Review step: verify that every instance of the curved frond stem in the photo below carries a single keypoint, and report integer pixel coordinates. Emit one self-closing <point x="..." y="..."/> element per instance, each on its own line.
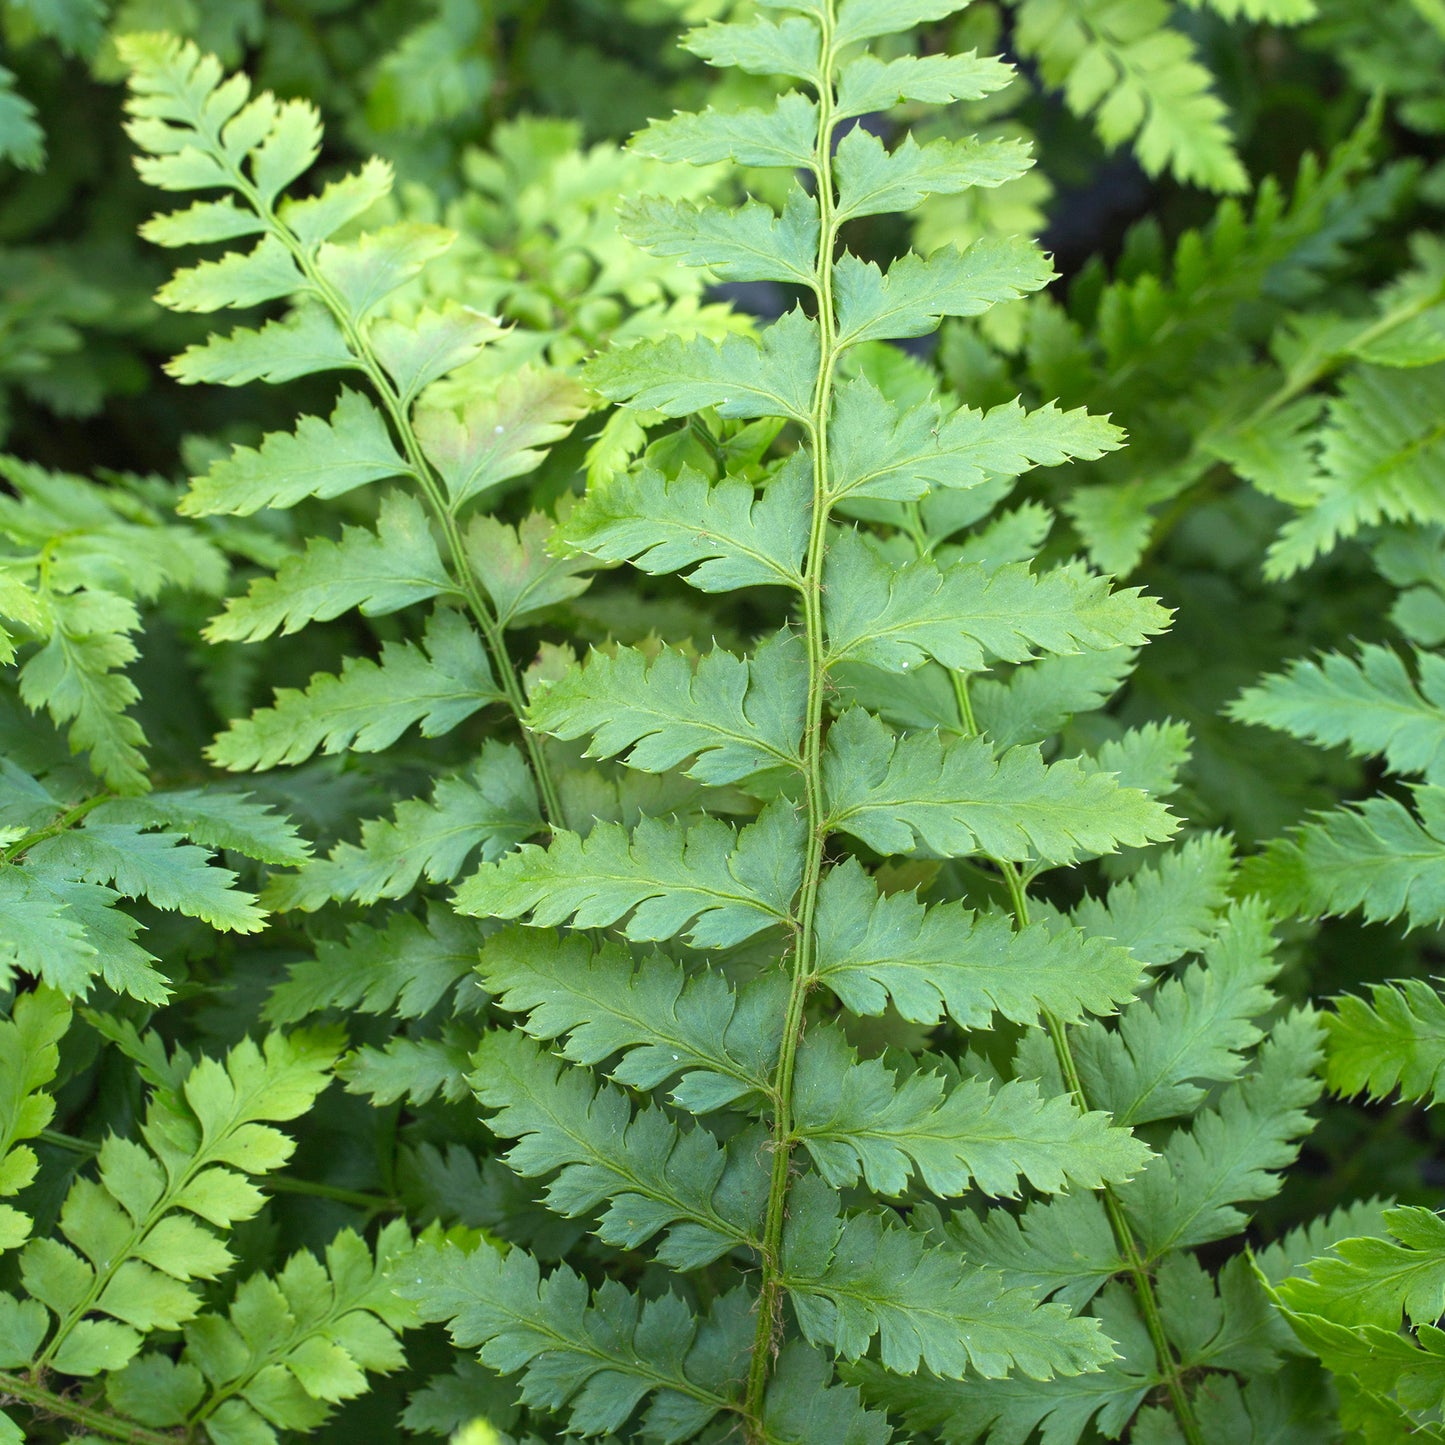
<point x="770" y="1295"/>
<point x="100" y="1423"/>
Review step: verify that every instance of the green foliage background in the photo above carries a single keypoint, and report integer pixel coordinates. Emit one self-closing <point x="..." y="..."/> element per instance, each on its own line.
<point x="411" y="1029"/>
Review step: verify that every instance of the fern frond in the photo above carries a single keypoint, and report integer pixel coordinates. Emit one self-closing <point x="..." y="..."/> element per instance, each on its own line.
<point x="1395" y="1041"/>
<point x="880" y="950"/>
<point x="735" y="717"/>
<point x="661" y="878"/>
<point x="960" y="799"/>
<point x="29" y="1060"/>
<point x="663" y="1022"/>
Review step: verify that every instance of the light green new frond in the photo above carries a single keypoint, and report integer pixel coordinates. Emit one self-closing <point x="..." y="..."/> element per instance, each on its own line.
<point x="515" y="566"/>
<point x="1370" y="705"/>
<point x="500" y="434"/>
<point x="132" y="1242"/>
<point x="750" y="243"/>
<point x="791" y="47"/>
<point x="67" y="933"/>
<point x="1396" y="1040"/>
<point x="598" y="1358"/>
<point x="376" y="571"/>
<point x="1170" y="907"/>
<point x="783" y="136"/>
<point x="214" y="819"/>
<point x="873" y="180"/>
<point x="735" y="716"/>
<point x="738" y="377"/>
<point x="868" y="84"/>
<point x="29" y="1058"/>
<point x="868" y="19"/>
<point x="1376" y="856"/>
<point x="304" y="343"/>
<point x="1191" y="1030"/>
<point x="893" y="793"/>
<point x="491" y="807"/>
<point x="879" y="449"/>
<point x="858" y="1118"/>
<point x="856" y="1279"/>
<point x="1062" y="1247"/>
<point x="652" y="1175"/>
<point x="1234" y="1152"/>
<point x="320" y="459"/>
<point x="661" y="877"/>
<point x="76" y="677"/>
<point x="437" y="684"/>
<point x="287" y="1349"/>
<point x="895" y="617"/>
<point x="914" y="295"/>
<point x="406" y="968"/>
<point x="1368" y="1281"/>
<point x="664" y="1022"/>
<point x="880" y="949"/>
<point x="1381" y="459"/>
<point x="1120" y="62"/>
<point x="729" y="535"/>
<point x="158" y="867"/>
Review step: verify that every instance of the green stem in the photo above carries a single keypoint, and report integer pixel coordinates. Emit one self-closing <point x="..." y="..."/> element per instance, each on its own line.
<point x="1135" y="1263"/>
<point x="770" y="1291"/>
<point x="98" y="1422"/>
<point x="395" y="405"/>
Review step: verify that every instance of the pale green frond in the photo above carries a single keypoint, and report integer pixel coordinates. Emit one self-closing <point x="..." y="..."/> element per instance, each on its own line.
<point x="1396" y="1040"/>
<point x="406" y="968"/>
<point x="239" y="279"/>
<point x="665" y="1023"/>
<point x="1234" y="1152"/>
<point x="1368" y="1281"/>
<point x="1169" y="907"/>
<point x="304" y="343"/>
<point x="738" y="377"/>
<point x="652" y="1175"/>
<point x="1381" y="458"/>
<point x="856" y="1279"/>
<point x="734" y="716"/>
<point x="1037" y="699"/>
<point x="857" y="1118"/>
<point x="729" y="535"/>
<point x="791" y="47"/>
<point x="375" y="570"/>
<point x="783" y="136"/>
<point x="415" y="1069"/>
<point x="876" y="950"/>
<point x="1190" y="1031"/>
<point x="1369" y="704"/>
<point x="1141" y="82"/>
<point x="500" y="434"/>
<point x="76" y="677"/>
<point x="896" y="617"/>
<point x="361" y="274"/>
<point x="867" y="19"/>
<point x="158" y="867"/>
<point x="437" y="684"/>
<point x="720" y="884"/>
<point x="894" y="793"/>
<point x="320" y="459"/>
<point x="597" y="1357"/>
<point x="22" y="142"/>
<point x="873" y="180"/>
<point x="914" y="295"/>
<point x="518" y="570"/>
<point x="29" y="1060"/>
<point x="802" y="1406"/>
<point x="1376" y="856"/>
<point x="882" y="450"/>
<point x="491" y="807"/>
<point x="214" y="819"/>
<point x="868" y="84"/>
<point x="749" y="243"/>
